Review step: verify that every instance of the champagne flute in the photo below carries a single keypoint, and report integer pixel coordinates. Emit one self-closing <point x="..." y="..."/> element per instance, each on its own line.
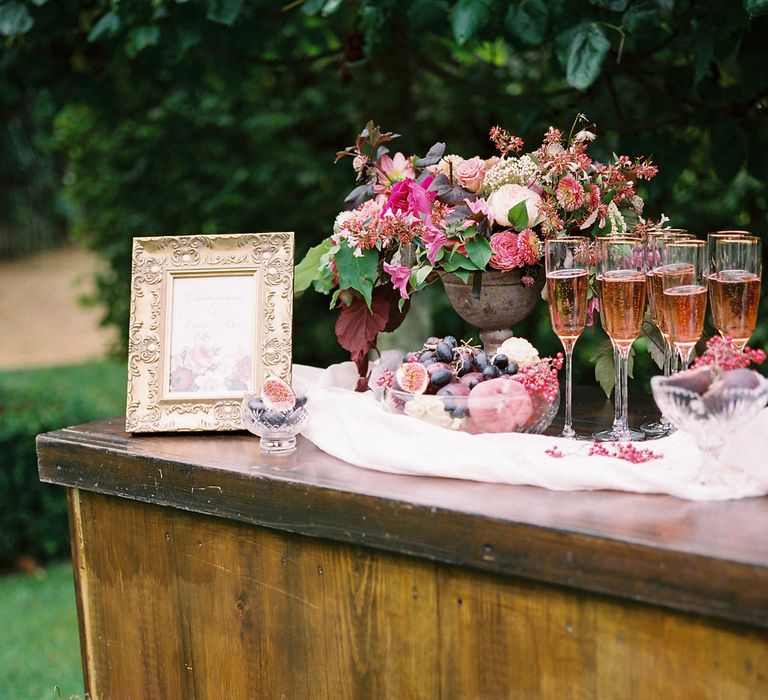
<point x="655" y="290"/>
<point x="684" y="277"/>
<point x="567" y="272"/>
<point x="621" y="284"/>
<point x="734" y="287"/>
<point x="713" y="237"/>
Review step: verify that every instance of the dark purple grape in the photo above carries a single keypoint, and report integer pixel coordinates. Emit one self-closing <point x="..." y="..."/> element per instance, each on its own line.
<point x="444" y="352"/>
<point x="300" y="401"/>
<point x="500" y="360"/>
<point x="255" y="405"/>
<point x="464" y="361"/>
<point x="451" y="341"/>
<point x="427" y="356"/>
<point x="432" y="340"/>
<point x="273" y="419"/>
<point x="511" y="369"/>
<point x="474" y="382"/>
<point x="460" y="411"/>
<point x="481" y="360"/>
<point x="441" y="377"/>
<point x="491" y="372"/>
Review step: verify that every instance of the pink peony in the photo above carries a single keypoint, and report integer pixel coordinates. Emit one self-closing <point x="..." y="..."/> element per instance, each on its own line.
<point x="470" y="173"/>
<point x="508" y="196"/>
<point x="391" y="170"/>
<point x="408" y="196"/>
<point x="399" y="274"/>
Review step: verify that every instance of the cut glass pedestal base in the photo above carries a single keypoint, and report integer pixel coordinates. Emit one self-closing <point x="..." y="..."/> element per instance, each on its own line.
<point x="281" y="445"/>
<point x="613" y="436"/>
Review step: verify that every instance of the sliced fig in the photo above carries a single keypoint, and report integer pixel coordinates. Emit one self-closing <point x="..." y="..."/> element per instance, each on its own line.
<point x="412" y="378"/>
<point x="741" y="379"/>
<point x="499" y="405"/>
<point x="695" y="380"/>
<point x="277" y="395"/>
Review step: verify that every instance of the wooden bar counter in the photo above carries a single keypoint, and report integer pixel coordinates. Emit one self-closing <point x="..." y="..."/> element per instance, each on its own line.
<point x="205" y="570"/>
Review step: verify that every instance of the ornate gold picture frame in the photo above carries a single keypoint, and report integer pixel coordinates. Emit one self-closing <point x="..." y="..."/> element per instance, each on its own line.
<point x="210" y="318"/>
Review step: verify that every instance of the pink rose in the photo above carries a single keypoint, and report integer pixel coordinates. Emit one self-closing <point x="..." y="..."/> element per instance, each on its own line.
<point x="199" y="358"/>
<point x="470" y="173"/>
<point x="504" y="251"/>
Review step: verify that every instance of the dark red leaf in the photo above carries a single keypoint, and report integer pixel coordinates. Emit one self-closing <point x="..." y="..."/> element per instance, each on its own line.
<point x="358" y="327"/>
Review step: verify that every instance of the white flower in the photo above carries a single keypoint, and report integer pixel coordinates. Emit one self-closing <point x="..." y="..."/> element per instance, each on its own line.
<point x="341" y="218"/>
<point x="519" y="351"/>
<point x="506" y="197"/>
<point x="618" y="225"/>
<point x="511" y="171"/>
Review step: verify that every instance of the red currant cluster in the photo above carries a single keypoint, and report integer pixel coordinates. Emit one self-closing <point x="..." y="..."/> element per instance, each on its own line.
<point x="724" y="355"/>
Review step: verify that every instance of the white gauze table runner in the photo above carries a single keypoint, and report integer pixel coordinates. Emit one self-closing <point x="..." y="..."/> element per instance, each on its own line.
<point x="355" y="428"/>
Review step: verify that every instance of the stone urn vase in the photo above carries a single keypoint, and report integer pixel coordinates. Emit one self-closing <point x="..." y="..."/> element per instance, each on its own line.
<point x="503" y="302"/>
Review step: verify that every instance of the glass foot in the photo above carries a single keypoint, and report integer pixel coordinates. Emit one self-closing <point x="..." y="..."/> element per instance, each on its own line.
<point x="613" y="436"/>
<point x="278" y="446"/>
<point x="655" y="429"/>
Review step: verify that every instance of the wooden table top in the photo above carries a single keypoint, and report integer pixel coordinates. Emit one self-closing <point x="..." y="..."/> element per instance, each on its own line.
<point x="700" y="557"/>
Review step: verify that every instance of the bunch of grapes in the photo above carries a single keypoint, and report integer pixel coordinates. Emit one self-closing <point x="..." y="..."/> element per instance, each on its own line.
<point x="448" y="362"/>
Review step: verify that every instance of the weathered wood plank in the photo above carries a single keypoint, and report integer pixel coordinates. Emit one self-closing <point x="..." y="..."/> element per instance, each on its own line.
<point x="655" y="549"/>
<point x="179" y="605"/>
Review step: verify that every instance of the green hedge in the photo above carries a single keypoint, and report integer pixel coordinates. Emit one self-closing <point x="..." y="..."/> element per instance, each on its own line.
<point x="33" y="518"/>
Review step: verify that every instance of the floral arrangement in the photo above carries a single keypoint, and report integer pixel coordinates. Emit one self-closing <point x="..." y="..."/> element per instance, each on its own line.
<point x="411" y="219"/>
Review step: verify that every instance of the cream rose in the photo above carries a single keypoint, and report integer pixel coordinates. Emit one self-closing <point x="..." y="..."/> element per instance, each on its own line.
<point x="470" y="173"/>
<point x="507" y="196"/>
<point x="519" y="351"/>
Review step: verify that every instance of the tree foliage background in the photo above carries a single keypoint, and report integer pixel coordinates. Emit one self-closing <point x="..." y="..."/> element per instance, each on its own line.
<point x="200" y="116"/>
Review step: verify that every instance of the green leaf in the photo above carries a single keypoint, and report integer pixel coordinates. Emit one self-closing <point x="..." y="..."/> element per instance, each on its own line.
<point x="756" y="8"/>
<point x="457" y="261"/>
<point x="727" y="148"/>
<point x="479" y="251"/>
<point x="14" y="19"/>
<point x="639" y="15"/>
<point x="141" y="37"/>
<point x="308" y="270"/>
<point x="224" y="11"/>
<point x="605" y="372"/>
<point x="518" y="216"/>
<point x="463" y="275"/>
<point x="527" y="21"/>
<point x="357" y="272"/>
<point x="584" y="49"/>
<point x="108" y="25"/>
<point x="419" y="276"/>
<point x="468" y="17"/>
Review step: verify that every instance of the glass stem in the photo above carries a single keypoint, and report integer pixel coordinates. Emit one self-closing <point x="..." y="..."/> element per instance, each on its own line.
<point x="617" y="390"/>
<point x="568" y="430"/>
<point x="623" y="430"/>
<point x="667" y="358"/>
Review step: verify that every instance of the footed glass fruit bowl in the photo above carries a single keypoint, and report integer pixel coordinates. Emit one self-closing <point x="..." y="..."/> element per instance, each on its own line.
<point x="277" y="427"/>
<point x="709" y="405"/>
<point x="508" y="408"/>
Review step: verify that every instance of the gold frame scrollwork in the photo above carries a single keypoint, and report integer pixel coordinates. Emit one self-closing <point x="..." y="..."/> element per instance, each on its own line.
<point x="266" y="256"/>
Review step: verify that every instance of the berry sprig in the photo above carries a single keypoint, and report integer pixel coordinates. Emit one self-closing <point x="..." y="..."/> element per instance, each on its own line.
<point x="540" y="378"/>
<point x="622" y="450"/>
<point x="722" y="354"/>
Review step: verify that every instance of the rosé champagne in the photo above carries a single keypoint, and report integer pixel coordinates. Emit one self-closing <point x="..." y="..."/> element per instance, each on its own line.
<point x="567" y="294"/>
<point x="735" y="298"/>
<point x="677" y="274"/>
<point x="622" y="304"/>
<point x="685" y="307"/>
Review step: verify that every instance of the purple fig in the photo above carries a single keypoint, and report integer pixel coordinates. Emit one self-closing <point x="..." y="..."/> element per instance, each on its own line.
<point x="695" y="380"/>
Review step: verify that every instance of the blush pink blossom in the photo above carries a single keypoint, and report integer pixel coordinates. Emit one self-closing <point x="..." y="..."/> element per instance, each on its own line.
<point x="470" y="173"/>
<point x="593" y="305"/>
<point x="391" y="170"/>
<point x="199" y="358"/>
<point x="399" y="274"/>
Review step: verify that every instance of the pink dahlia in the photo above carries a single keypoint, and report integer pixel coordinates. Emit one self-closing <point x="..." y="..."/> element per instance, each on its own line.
<point x="570" y="194"/>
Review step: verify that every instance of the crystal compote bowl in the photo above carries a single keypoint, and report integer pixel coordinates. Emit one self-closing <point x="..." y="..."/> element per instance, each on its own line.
<point x="710" y="410"/>
<point x="277" y="429"/>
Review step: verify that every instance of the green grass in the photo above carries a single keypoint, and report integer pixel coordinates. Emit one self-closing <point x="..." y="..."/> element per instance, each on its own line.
<point x="39" y="642"/>
<point x="98" y="385"/>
